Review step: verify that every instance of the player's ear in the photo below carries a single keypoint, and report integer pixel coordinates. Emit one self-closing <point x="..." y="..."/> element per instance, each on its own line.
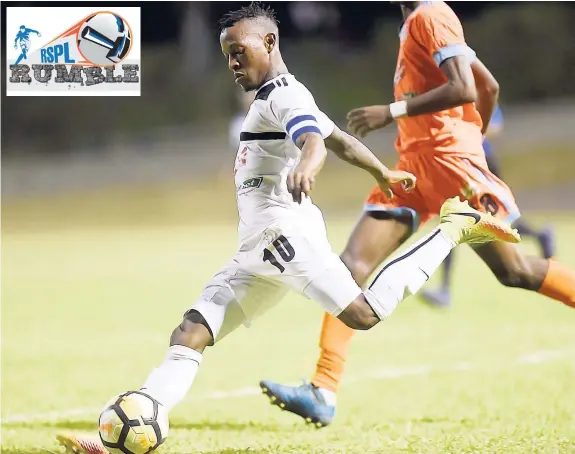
<point x="270" y="42"/>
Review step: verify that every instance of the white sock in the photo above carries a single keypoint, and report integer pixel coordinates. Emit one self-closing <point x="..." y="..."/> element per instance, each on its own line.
<point x="170" y="382"/>
<point x="406" y="274"/>
<point x="329" y="396"/>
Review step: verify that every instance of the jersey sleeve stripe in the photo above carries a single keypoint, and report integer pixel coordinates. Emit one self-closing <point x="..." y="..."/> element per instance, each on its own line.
<point x="303" y="130"/>
<point x="301" y="124"/>
<point x="453" y="50"/>
<point x="295" y="120"/>
<point x="269" y="135"/>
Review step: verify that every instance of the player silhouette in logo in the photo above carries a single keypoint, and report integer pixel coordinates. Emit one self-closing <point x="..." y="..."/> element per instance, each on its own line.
<point x="24" y="37"/>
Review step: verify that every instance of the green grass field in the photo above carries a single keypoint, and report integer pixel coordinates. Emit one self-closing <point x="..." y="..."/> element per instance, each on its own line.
<point x="91" y="294"/>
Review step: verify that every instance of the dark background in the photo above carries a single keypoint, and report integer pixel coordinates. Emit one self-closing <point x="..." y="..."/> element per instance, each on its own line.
<point x="161" y="21"/>
<point x="529" y="47"/>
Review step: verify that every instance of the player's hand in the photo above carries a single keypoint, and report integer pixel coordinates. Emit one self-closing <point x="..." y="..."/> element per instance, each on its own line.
<point x="301" y="180"/>
<point x="365" y="119"/>
<point x="15" y="45"/>
<point x="406" y="179"/>
<point x="39" y="34"/>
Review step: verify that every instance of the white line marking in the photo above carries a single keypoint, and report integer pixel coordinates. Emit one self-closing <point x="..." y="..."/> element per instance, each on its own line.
<point x="381" y="374"/>
<point x="542" y="356"/>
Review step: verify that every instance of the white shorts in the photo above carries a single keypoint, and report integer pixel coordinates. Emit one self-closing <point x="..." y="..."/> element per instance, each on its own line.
<point x="292" y="255"/>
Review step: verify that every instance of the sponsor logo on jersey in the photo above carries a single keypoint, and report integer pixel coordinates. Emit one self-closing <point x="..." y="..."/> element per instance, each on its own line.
<point x="251" y="183"/>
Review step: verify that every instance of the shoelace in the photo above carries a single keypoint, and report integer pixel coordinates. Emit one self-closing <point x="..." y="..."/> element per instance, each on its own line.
<point x="316" y="392"/>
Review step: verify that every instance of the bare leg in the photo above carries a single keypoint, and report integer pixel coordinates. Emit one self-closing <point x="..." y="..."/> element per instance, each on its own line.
<point x="545" y="237"/>
<point x="514" y="269"/>
<point x="511" y="267"/>
<point x="370" y="243"/>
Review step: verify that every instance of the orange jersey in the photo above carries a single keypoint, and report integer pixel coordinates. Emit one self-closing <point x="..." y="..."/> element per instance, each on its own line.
<point x="430" y="35"/>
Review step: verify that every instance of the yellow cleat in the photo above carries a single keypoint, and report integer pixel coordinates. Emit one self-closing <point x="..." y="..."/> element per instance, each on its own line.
<point x="464" y="224"/>
<point x="81" y="444"/>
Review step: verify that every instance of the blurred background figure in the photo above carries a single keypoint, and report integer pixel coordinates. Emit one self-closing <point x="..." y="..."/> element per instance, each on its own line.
<point x="314" y="18"/>
<point x="545" y="237"/>
<point x="196" y="46"/>
<point x="243" y="101"/>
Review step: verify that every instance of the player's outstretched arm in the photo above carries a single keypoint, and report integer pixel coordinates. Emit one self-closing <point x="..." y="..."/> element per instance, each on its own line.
<point x="313" y="154"/>
<point x="351" y="150"/>
<point x="487" y="94"/>
<point x="459" y="89"/>
<point x="438" y="32"/>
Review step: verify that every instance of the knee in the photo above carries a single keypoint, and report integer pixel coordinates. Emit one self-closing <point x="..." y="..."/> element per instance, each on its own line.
<point x="360" y="269"/>
<point x="359" y="316"/>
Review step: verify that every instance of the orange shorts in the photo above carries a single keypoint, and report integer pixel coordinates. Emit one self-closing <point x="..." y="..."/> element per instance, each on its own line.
<point x="442" y="176"/>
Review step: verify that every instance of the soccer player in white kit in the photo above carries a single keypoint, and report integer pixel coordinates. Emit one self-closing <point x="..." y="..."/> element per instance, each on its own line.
<point x="282" y="235"/>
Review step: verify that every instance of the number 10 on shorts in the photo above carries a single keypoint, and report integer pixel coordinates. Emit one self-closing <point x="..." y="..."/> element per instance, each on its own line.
<point x="284" y="249"/>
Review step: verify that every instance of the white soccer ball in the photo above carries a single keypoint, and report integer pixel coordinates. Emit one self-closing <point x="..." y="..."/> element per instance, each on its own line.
<point x="104" y="39"/>
<point x="133" y="423"/>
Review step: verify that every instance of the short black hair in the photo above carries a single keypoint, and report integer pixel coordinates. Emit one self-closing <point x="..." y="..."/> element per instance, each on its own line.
<point x="254" y="10"/>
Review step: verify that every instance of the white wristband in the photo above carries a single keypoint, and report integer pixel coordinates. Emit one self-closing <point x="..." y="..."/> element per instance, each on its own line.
<point x="398" y="109"/>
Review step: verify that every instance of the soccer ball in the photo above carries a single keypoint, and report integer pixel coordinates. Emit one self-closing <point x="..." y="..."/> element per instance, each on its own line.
<point x="104" y="39"/>
<point x="133" y="423"/>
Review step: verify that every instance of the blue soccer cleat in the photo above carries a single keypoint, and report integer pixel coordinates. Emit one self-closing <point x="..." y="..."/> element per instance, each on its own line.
<point x="305" y="401"/>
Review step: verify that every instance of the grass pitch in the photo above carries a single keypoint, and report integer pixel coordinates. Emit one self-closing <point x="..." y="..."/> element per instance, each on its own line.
<point x="88" y="307"/>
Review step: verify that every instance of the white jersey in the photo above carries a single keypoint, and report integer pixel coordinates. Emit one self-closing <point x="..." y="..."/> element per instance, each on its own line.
<point x="282" y="110"/>
<point x="283" y="245"/>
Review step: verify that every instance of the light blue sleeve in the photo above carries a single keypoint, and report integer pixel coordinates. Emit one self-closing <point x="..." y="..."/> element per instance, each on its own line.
<point x="453" y="50"/>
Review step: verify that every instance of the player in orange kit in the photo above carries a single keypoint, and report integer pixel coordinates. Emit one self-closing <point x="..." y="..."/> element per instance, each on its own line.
<point x="441" y="296"/>
<point x="444" y="99"/>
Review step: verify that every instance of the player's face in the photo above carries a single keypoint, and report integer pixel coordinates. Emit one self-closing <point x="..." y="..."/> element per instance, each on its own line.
<point x="248" y="54"/>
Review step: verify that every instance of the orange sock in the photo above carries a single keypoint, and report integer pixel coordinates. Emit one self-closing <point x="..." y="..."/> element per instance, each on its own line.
<point x="334" y="344"/>
<point x="559" y="284"/>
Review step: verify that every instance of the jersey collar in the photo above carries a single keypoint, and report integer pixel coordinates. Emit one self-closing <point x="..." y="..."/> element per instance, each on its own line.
<point x="275" y="80"/>
<point x="401" y="30"/>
